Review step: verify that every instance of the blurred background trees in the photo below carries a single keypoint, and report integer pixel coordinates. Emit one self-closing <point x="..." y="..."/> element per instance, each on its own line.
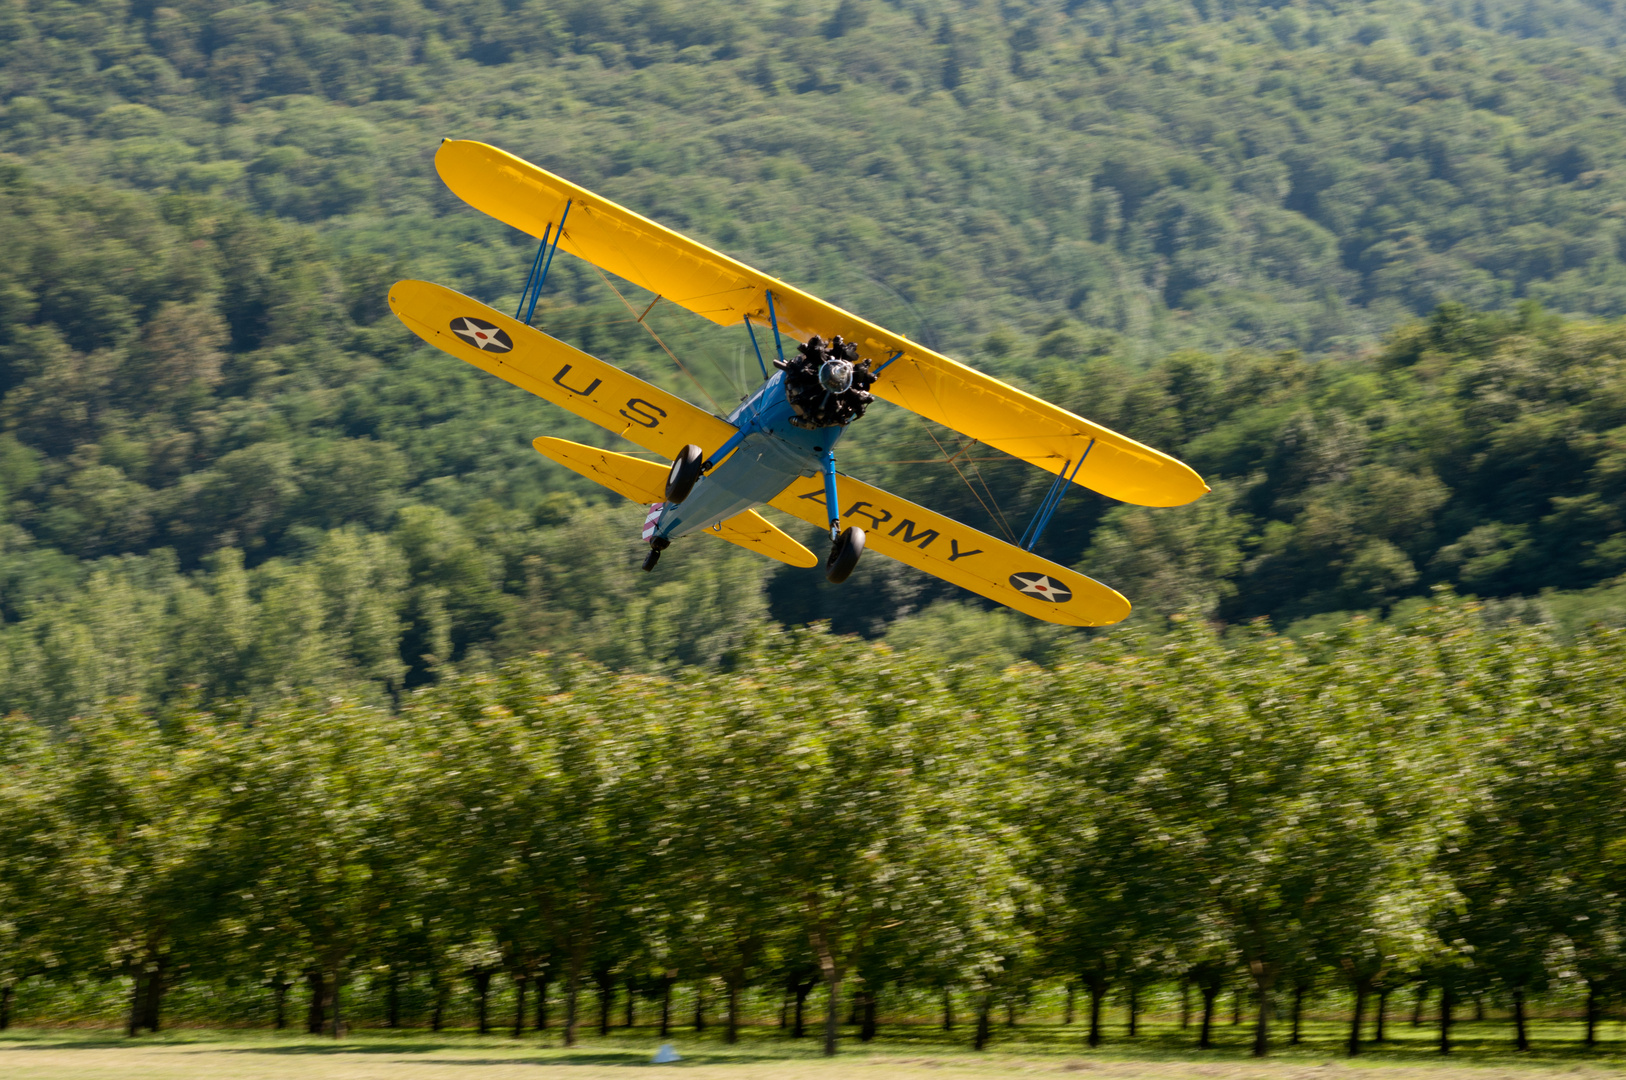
<point x="1340" y="260"/>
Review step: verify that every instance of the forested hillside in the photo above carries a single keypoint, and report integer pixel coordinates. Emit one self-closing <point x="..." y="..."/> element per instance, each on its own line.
<point x="1228" y="231"/>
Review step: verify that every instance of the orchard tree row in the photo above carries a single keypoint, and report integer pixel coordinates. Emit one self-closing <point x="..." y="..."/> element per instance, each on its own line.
<point x="1433" y="799"/>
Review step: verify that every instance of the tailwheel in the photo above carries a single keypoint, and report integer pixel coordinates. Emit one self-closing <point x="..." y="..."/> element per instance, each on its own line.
<point x="686" y="469"/>
<point x="844" y="555"/>
<point x="656" y="546"/>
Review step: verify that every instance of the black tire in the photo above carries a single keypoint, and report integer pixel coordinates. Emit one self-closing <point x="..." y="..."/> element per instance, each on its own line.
<point x="844" y="555"/>
<point x="685" y="473"/>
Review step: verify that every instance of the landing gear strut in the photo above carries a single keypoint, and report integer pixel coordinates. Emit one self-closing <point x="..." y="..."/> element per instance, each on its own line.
<point x="845" y="544"/>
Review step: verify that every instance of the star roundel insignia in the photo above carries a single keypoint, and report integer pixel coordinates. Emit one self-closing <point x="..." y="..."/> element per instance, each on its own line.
<point x="482" y="335"/>
<point x="1041" y="586"/>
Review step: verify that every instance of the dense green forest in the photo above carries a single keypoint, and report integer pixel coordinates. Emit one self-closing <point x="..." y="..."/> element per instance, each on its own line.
<point x="1354" y="261"/>
<point x="1424" y="807"/>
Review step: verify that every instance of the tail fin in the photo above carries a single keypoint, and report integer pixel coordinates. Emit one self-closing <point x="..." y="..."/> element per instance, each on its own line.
<point x="645" y="482"/>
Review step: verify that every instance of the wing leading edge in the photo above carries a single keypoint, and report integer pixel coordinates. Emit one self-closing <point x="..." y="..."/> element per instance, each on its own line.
<point x="726" y="291"/>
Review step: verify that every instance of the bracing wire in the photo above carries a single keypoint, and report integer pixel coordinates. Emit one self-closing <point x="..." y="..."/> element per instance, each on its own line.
<point x="639" y="319"/>
<point x="998" y="518"/>
<point x="971" y="461"/>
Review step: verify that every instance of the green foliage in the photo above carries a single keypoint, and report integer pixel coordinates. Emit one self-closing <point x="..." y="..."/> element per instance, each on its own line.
<point x="1431" y="798"/>
<point x="226" y="472"/>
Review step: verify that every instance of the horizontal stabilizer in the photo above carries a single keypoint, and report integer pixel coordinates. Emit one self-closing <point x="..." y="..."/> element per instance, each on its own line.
<point x="645" y="482"/>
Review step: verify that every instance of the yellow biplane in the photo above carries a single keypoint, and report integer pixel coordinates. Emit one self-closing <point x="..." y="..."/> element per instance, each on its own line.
<point x="778" y="447"/>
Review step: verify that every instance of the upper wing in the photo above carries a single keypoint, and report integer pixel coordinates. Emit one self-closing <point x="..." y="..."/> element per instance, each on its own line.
<point x="725" y="291"/>
<point x="551" y="369"/>
<point x="645" y="482"/>
<point x="960" y="554"/>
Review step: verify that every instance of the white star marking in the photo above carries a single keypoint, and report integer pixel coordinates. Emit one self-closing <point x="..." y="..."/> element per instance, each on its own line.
<point x="477" y="336"/>
<point x="1041" y="586"/>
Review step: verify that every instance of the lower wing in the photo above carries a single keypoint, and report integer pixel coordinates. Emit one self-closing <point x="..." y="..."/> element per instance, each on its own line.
<point x="550" y="369"/>
<point x="959" y="554"/>
<point x="645" y="482"/>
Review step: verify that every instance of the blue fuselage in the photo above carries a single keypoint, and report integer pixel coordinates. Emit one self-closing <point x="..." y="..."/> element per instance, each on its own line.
<point x="772" y="453"/>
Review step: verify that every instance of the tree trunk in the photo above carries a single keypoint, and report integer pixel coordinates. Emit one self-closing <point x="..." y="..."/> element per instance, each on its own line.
<point x="279" y="997"/>
<point x="438" y="1018"/>
<point x="1521" y="1039"/>
<point x="1261" y="1024"/>
<point x="5" y="1005"/>
<point x="572" y="995"/>
<point x="316" y="1016"/>
<point x="1098" y="990"/>
<point x="700" y="1006"/>
<point x="541" y="1003"/>
<point x="731" y="1034"/>
<point x="784" y="1007"/>
<point x="1204" y="1041"/>
<point x="338" y="1024"/>
<point x="1355" y="1021"/>
<point x="606" y="999"/>
<point x="852" y="1007"/>
<point x="799" y="1028"/>
<point x="1479" y="1006"/>
<point x="1134" y="1009"/>
<point x="832" y="1012"/>
<point x="1379" y="1036"/>
<point x="154" y="998"/>
<point x="632" y="991"/>
<point x="666" y="1005"/>
<point x="867" y="1032"/>
<point x="1067" y="1013"/>
<point x="1445" y="1019"/>
<point x="138" y="984"/>
<point x="1010" y="1012"/>
<point x="519" y="1006"/>
<point x="482" y="999"/>
<point x="1185" y="1004"/>
<point x="984" y="1026"/>
<point x="1417" y="1006"/>
<point x="392" y="1001"/>
<point x="948" y="1009"/>
<point x="1299" y="990"/>
<point x="1591" y="1015"/>
<point x="1236" y="1007"/>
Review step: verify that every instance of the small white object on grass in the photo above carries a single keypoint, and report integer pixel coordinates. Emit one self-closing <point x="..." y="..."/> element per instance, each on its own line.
<point x="665" y="1055"/>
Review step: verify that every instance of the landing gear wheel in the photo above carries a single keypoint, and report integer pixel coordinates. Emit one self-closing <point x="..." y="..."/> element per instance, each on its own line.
<point x="685" y="472"/>
<point x="844" y="555"/>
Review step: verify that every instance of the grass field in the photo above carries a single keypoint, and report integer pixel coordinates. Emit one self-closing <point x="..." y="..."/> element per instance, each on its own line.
<point x="1483" y="1053"/>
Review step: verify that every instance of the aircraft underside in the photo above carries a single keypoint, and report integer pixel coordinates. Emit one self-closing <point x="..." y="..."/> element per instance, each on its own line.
<point x="778" y="441"/>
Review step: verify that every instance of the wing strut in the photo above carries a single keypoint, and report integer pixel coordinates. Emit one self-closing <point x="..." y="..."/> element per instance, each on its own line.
<point x="749" y="329"/>
<point x="539" y="269"/>
<point x="779" y="346"/>
<point x="1052" y="500"/>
